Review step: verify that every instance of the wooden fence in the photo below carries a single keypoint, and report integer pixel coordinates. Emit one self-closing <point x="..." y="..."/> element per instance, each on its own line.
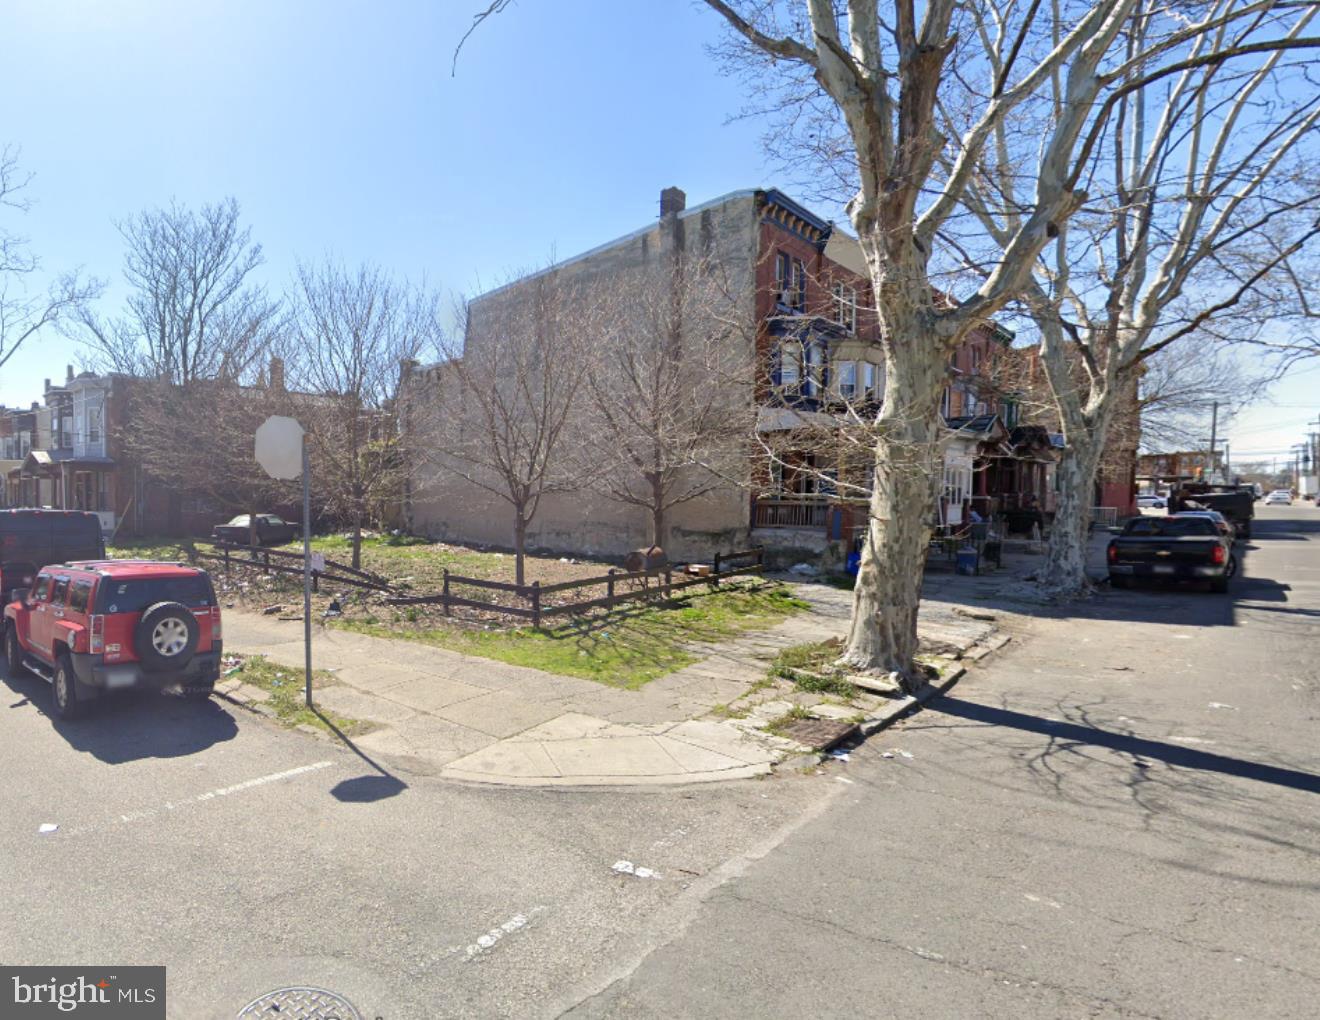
<point x="646" y="583"/>
<point x="658" y="581"/>
<point x="282" y="561"/>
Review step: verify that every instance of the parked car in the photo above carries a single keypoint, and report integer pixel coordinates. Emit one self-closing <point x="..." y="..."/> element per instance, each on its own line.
<point x="1279" y="496"/>
<point x="1236" y="502"/>
<point x="30" y="539"/>
<point x="1150" y="501"/>
<point x="1224" y="525"/>
<point x="1181" y="547"/>
<point x="271" y="530"/>
<point x="103" y="625"/>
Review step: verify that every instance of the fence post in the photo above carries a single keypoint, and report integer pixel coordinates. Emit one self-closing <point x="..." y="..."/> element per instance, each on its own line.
<point x="316" y="581"/>
<point x="446" y="591"/>
<point x="536" y="604"/>
<point x="669" y="582"/>
<point x="715" y="573"/>
<point x="760" y="559"/>
<point x="609" y="590"/>
<point x="226" y="552"/>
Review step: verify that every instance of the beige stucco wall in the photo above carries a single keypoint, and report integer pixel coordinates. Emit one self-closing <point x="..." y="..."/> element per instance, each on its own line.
<point x="446" y="506"/>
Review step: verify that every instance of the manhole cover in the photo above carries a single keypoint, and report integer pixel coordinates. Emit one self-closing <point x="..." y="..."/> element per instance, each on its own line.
<point x="299" y="1004"/>
<point x="818" y="734"/>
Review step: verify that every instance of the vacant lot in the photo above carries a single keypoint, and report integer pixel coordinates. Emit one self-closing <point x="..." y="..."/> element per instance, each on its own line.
<point x="642" y="640"/>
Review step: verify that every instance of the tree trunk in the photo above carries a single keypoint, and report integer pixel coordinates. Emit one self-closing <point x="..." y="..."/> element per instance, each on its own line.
<point x="357" y="540"/>
<point x="1064" y="569"/>
<point x="657" y="511"/>
<point x="883" y="633"/>
<point x="519" y="547"/>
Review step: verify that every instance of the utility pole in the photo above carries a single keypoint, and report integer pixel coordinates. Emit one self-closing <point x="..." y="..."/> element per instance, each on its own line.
<point x="1214" y="434"/>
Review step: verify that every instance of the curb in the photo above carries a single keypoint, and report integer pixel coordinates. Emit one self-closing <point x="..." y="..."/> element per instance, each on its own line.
<point x="907" y="705"/>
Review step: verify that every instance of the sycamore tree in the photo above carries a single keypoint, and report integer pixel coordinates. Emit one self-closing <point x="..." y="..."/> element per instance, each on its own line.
<point x="1203" y="215"/>
<point x="917" y="93"/>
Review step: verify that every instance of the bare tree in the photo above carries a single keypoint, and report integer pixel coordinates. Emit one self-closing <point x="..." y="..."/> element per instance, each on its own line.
<point x="192" y="312"/>
<point x="507" y="392"/>
<point x="1177" y="391"/>
<point x="667" y="410"/>
<point x="24" y="313"/>
<point x="898" y="81"/>
<point x="1203" y="209"/>
<point x="918" y="129"/>
<point x="192" y="342"/>
<point x="354" y="331"/>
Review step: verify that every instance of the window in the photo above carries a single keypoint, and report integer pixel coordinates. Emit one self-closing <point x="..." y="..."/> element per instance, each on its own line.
<point x="790" y="282"/>
<point x="776" y="476"/>
<point x="94" y="424"/>
<point x="976" y="360"/>
<point x="847" y="379"/>
<point x="868" y="378"/>
<point x="845" y="306"/>
<point x="43" y="587"/>
<point x="814" y="370"/>
<point x="61" y="589"/>
<point x="78" y="596"/>
<point x="135" y="596"/>
<point x="944" y="403"/>
<point x="790" y="364"/>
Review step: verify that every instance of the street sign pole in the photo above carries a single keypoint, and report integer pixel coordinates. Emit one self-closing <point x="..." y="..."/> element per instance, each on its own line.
<point x="281" y="450"/>
<point x="307" y="569"/>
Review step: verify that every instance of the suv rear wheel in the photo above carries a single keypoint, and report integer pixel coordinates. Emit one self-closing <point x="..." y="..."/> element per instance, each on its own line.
<point x="64" y="690"/>
<point x="166" y="637"/>
<point x="13" y="653"/>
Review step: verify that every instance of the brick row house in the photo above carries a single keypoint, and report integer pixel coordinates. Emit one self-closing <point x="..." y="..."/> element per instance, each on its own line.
<point x="67" y="453"/>
<point x="57" y="453"/>
<point x="816" y="357"/>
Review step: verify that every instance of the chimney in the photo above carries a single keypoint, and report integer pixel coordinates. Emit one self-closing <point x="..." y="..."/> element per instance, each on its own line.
<point x="68" y="374"/>
<point x="277" y="375"/>
<point x="47" y="389"/>
<point x="672" y="200"/>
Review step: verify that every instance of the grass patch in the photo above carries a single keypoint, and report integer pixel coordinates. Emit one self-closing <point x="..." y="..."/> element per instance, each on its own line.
<point x="285" y="687"/>
<point x="170" y="550"/>
<point x="811" y="668"/>
<point x="624" y="649"/>
<point x="779" y="726"/>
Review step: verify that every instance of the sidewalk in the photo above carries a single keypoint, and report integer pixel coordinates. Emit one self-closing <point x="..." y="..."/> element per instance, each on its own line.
<point x="480" y="720"/>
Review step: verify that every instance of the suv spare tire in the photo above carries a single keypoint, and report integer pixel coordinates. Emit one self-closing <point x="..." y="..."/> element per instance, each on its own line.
<point x="165" y="639"/>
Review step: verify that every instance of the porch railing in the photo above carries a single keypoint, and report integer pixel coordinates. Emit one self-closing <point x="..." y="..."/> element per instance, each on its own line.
<point x="790" y="513"/>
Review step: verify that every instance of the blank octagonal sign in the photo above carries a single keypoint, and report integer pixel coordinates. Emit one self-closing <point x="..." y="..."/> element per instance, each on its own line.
<point x="279" y="446"/>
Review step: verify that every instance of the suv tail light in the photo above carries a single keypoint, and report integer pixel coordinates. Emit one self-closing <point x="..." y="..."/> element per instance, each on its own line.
<point x="98" y="635"/>
<point x="215" y="624"/>
<point x="1217" y="557"/>
<point x="1113" y="554"/>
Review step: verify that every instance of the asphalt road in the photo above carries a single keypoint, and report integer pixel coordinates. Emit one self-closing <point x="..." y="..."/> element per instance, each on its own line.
<point x="1117" y="817"/>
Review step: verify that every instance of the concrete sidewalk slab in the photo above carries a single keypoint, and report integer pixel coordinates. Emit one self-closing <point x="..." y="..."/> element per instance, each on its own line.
<point x="483" y="721"/>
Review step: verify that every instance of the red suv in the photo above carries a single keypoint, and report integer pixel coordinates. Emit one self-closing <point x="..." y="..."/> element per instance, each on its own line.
<point x="99" y="625"/>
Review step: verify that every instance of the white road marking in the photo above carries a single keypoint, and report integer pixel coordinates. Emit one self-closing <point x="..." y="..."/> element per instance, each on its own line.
<point x="488" y="941"/>
<point x="201" y="798"/>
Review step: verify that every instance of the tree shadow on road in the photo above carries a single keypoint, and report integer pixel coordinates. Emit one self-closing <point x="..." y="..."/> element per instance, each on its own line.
<point x="1126" y="743"/>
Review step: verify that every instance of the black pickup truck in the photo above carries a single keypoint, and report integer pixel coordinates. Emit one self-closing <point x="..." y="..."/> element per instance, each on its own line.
<point x="1236" y="502"/>
<point x="1172" y="548"/>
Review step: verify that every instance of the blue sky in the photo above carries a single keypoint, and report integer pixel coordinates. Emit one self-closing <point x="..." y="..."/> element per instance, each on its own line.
<point x="339" y="129"/>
